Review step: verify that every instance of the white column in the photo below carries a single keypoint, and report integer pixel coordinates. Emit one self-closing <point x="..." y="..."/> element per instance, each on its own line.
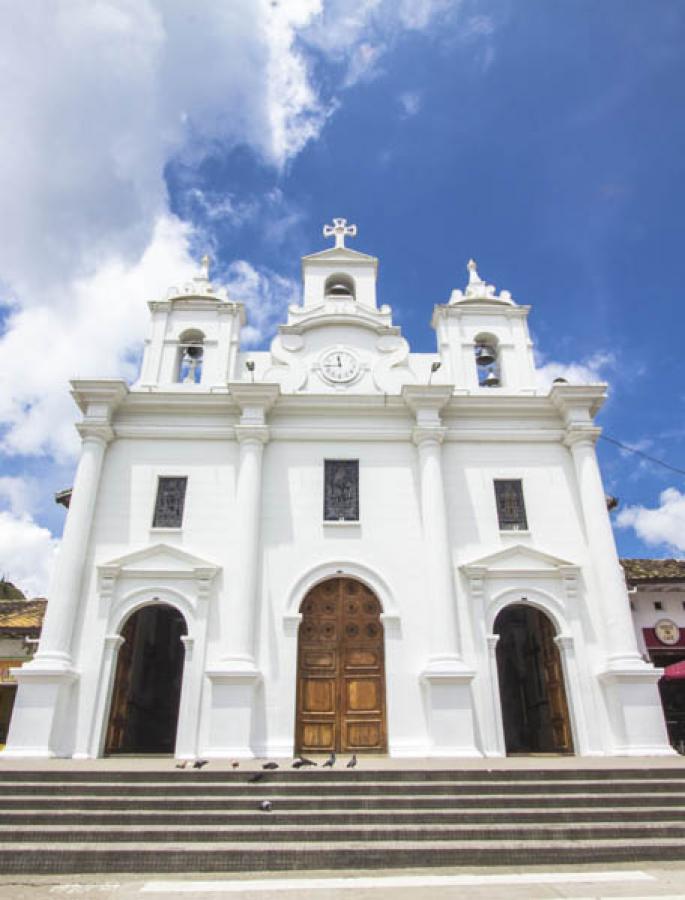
<point x="445" y="678"/>
<point x="621" y="642"/>
<point x="445" y="645"/>
<point x="236" y="688"/>
<point x="239" y="635"/>
<point x="634" y="711"/>
<point x="65" y="592"/>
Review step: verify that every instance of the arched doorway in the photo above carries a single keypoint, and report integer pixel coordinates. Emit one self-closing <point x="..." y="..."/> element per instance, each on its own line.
<point x="340" y="670"/>
<point x="531" y="683"/>
<point x="147" y="685"/>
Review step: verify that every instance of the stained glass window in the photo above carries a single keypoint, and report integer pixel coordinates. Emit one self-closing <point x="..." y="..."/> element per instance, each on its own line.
<point x="171" y="495"/>
<point x="511" y="510"/>
<point x="341" y="490"/>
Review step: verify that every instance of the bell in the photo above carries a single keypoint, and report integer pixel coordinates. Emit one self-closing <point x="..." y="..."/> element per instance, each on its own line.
<point x="339" y="290"/>
<point x="491" y="381"/>
<point x="485" y="355"/>
<point x="194" y="352"/>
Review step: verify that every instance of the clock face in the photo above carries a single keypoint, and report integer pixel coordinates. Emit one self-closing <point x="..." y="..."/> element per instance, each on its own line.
<point x="339" y="366"/>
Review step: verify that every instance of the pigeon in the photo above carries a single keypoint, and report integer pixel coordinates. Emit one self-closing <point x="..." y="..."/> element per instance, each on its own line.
<point x="330" y="762"/>
<point x="270" y="765"/>
<point x="301" y="761"/>
<point x="199" y="763"/>
<point x="234" y="763"/>
<point x="353" y="762"/>
<point x="256" y="777"/>
<point x="265" y="805"/>
<point x="182" y="765"/>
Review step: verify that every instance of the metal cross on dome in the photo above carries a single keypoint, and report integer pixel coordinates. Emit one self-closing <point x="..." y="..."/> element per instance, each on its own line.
<point x="339" y="229"/>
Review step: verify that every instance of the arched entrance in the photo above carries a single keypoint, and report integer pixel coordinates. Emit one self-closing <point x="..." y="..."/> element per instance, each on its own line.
<point x="340" y="670"/>
<point x="531" y="683"/>
<point x="147" y="685"/>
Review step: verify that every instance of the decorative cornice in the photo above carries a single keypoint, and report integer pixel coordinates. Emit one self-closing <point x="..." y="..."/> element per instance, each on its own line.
<point x="419" y="397"/>
<point x="260" y="395"/>
<point x="578" y="403"/>
<point x="103" y="392"/>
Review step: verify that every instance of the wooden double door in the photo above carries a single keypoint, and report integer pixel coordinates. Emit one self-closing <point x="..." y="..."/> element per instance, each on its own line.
<point x="341" y="671"/>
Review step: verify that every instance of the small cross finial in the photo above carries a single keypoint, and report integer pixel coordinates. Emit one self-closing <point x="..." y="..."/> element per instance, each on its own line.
<point x="204" y="266"/>
<point x="339" y="229"/>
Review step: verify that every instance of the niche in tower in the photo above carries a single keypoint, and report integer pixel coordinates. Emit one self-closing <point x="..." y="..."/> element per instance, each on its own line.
<point x="339" y="287"/>
<point x="191" y="353"/>
<point x="486" y="350"/>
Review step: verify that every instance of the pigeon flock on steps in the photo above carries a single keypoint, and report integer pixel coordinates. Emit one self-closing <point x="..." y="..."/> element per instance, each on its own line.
<point x="299" y="762"/>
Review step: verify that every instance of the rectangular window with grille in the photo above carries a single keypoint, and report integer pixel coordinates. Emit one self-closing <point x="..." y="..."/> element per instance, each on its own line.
<point x="171" y="495"/>
<point x="341" y="490"/>
<point x="511" y="510"/>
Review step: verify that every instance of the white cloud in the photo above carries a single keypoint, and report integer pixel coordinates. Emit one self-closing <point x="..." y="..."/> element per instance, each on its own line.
<point x="46" y="345"/>
<point x="19" y="494"/>
<point x="27" y="553"/>
<point x="663" y="525"/>
<point x="97" y="99"/>
<point x="266" y="296"/>
<point x="591" y="370"/>
<point x="410" y="101"/>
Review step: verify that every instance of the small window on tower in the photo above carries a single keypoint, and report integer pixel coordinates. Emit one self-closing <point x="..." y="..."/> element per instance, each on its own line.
<point x="341" y="490"/>
<point x="171" y="495"/>
<point x="191" y="356"/>
<point x="511" y="511"/>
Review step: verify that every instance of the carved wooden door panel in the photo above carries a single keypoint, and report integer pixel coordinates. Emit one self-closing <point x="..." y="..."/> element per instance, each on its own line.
<point x="341" y="671"/>
<point x="118" y="715"/>
<point x="556" y="693"/>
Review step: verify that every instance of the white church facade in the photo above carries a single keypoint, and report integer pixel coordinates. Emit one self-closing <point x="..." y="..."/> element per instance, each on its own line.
<point x="337" y="544"/>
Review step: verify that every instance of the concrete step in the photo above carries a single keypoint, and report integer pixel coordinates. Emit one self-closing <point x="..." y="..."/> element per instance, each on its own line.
<point x="325" y="801"/>
<point x="368" y="786"/>
<point x="38" y="858"/>
<point x="307" y="818"/>
<point x="364" y="773"/>
<point x="329" y="833"/>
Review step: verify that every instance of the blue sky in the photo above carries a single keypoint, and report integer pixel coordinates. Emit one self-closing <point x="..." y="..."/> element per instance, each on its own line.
<point x="545" y="138"/>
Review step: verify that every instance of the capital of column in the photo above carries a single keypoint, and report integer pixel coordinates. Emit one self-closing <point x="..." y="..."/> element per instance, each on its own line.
<point x="577" y="435"/>
<point x="252" y="434"/>
<point x="428" y="434"/>
<point x="97" y="432"/>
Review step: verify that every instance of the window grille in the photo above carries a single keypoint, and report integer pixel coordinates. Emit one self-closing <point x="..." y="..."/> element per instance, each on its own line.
<point x="341" y="490"/>
<point x="171" y="494"/>
<point x="511" y="510"/>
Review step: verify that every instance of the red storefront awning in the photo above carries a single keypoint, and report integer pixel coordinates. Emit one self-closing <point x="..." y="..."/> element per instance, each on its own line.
<point x="674" y="671"/>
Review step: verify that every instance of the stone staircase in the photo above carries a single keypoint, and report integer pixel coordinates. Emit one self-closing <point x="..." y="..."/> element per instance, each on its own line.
<point x="209" y="820"/>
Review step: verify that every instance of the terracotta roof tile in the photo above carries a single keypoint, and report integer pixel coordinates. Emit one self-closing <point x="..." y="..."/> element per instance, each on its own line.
<point x="654" y="569"/>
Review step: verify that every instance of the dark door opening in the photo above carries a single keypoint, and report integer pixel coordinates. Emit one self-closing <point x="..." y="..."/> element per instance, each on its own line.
<point x="672" y="692"/>
<point x="531" y="683"/>
<point x="147" y="685"/>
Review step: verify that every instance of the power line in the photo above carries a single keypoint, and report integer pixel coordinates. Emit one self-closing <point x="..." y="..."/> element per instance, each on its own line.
<point x="652" y="459"/>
